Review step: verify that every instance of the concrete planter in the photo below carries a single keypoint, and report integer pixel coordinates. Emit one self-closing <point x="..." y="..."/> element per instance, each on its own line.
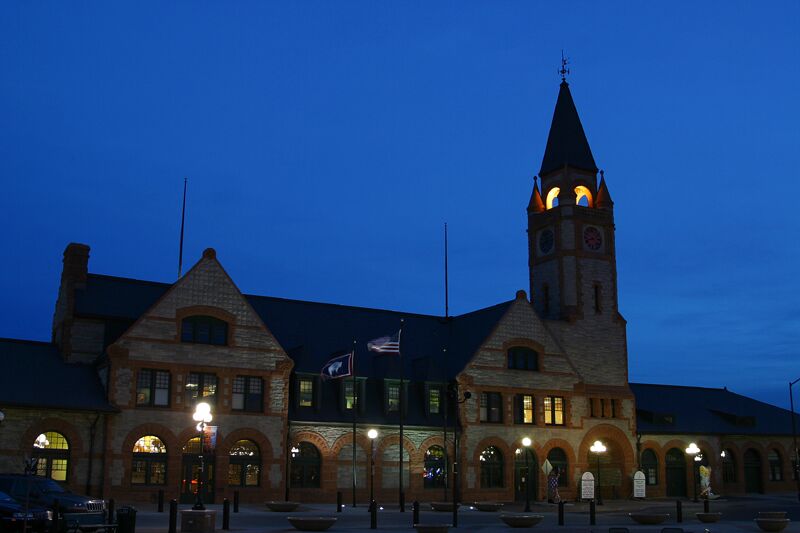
<point x="431" y="528"/>
<point x="488" y="507"/>
<point x="443" y="506"/>
<point x="708" y="517"/>
<point x="521" y="520"/>
<point x="772" y="514"/>
<point x="648" y="519"/>
<point x="282" y="507"/>
<point x="772" y="524"/>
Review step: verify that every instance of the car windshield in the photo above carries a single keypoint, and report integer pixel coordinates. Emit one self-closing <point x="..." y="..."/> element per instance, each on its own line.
<point x="5" y="497"/>
<point x="48" y="485"/>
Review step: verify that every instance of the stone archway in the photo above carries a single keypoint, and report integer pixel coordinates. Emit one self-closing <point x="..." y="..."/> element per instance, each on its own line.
<point x="613" y="478"/>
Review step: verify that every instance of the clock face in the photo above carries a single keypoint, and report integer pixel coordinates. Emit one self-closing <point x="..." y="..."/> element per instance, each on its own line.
<point x="546" y="241"/>
<point x="592" y="238"/>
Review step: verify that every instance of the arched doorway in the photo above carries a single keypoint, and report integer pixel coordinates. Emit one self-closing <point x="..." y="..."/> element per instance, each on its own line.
<point x="521" y="476"/>
<point x="608" y="481"/>
<point x="675" y="463"/>
<point x="752" y="471"/>
<point x="191" y="471"/>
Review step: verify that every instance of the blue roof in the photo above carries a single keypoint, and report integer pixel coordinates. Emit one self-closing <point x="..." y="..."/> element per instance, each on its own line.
<point x="706" y="411"/>
<point x="35" y="375"/>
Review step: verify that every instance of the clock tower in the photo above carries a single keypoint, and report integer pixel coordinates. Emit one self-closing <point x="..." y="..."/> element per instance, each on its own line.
<point x="571" y="227"/>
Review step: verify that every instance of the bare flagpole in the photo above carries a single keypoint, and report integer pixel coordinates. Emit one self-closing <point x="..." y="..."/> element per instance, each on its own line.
<point x="183" y="219"/>
<point x="446" y="285"/>
<point x="355" y="406"/>
<point x="402" y="398"/>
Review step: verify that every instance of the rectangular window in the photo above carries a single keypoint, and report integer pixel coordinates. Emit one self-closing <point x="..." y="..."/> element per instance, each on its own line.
<point x="393" y="397"/>
<point x="349" y="394"/>
<point x="434" y="400"/>
<point x="597" y="296"/>
<point x="613" y="408"/>
<point x="152" y="388"/>
<point x="201" y="387"/>
<point x="491" y="407"/>
<point x="306" y="392"/>
<point x="554" y="410"/>
<point x="248" y="394"/>
<point x="602" y="408"/>
<point x="524" y="409"/>
<point x="591" y="408"/>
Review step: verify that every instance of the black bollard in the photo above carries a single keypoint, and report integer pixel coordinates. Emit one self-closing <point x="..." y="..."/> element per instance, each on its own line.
<point x="679" y="511"/>
<point x="560" y="513"/>
<point x="592" y="515"/>
<point x="415" y="515"/>
<point x="706" y="506"/>
<point x="455" y="513"/>
<point x="402" y="502"/>
<point x="373" y="515"/>
<point x="111" y="506"/>
<point x="339" y="502"/>
<point x="173" y="516"/>
<point x="160" y="500"/>
<point x="236" y="501"/>
<point x="226" y="514"/>
<point x="56" y="527"/>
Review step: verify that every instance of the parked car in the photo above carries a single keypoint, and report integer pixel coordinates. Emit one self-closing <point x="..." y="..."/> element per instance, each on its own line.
<point x="40" y="491"/>
<point x="13" y="516"/>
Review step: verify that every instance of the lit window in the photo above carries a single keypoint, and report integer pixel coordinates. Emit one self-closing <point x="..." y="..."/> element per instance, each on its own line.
<point x="349" y="394"/>
<point x="201" y="388"/>
<point x="434" y="400"/>
<point x="434" y="472"/>
<point x="152" y="388"/>
<point x="524" y="409"/>
<point x="245" y="464"/>
<point x="51" y="455"/>
<point x="552" y="198"/>
<point x="306" y="392"/>
<point x="583" y="196"/>
<point x="393" y="397"/>
<point x="554" y="410"/>
<point x="149" y="463"/>
<point x="491" y="460"/>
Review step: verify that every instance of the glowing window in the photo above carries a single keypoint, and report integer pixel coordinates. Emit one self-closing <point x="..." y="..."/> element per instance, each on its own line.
<point x="51" y="455"/>
<point x="244" y="469"/>
<point x="583" y="196"/>
<point x="149" y="463"/>
<point x="552" y="197"/>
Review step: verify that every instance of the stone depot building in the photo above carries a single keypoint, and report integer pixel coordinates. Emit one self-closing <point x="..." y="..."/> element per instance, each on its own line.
<point x="113" y="393"/>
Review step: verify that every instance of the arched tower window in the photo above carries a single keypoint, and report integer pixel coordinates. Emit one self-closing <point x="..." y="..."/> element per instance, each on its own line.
<point x="558" y="458"/>
<point x="244" y="468"/>
<point x="306" y="466"/>
<point x="775" y="466"/>
<point x="434" y="472"/>
<point x="204" y="330"/>
<point x="728" y="467"/>
<point x="583" y="196"/>
<point x="552" y="198"/>
<point x="491" y="468"/>
<point x="149" y="464"/>
<point x="650" y="466"/>
<point x="51" y="454"/>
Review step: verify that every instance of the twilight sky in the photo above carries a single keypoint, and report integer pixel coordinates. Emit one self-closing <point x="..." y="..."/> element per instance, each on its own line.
<point x="326" y="143"/>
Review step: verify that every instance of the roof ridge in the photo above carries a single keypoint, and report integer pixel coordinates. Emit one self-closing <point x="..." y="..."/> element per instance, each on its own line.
<point x="681" y="386"/>
<point x="26" y="341"/>
<point x="345" y="306"/>
<point x="137" y="280"/>
<point x="493" y="306"/>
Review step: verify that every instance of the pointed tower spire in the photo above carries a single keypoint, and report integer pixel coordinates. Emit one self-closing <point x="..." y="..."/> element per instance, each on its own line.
<point x="566" y="143"/>
<point x="536" y="205"/>
<point x="603" y="200"/>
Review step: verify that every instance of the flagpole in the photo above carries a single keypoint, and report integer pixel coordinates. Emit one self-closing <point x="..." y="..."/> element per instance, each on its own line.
<point x="402" y="398"/>
<point x="355" y="406"/>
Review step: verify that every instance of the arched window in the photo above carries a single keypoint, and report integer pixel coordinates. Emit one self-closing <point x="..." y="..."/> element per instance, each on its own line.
<point x="149" y="464"/>
<point x="583" y="196"/>
<point x="51" y="453"/>
<point x="650" y="466"/>
<point x="558" y="459"/>
<point x="522" y="358"/>
<point x="775" y="466"/>
<point x="552" y="198"/>
<point x="305" y="466"/>
<point x="204" y="330"/>
<point x="491" y="468"/>
<point x="244" y="468"/>
<point x="434" y="473"/>
<point x="728" y="467"/>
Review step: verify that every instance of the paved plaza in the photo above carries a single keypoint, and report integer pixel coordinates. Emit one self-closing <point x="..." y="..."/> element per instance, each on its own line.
<point x="737" y="515"/>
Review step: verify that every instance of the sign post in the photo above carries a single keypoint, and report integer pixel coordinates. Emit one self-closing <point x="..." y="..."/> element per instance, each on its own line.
<point x="587" y="486"/>
<point x="639" y="483"/>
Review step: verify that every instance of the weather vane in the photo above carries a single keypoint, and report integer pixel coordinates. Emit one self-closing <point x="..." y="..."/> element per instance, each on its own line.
<point x="563" y="70"/>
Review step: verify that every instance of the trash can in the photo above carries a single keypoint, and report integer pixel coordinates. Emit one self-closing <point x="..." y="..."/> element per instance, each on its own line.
<point x="126" y="520"/>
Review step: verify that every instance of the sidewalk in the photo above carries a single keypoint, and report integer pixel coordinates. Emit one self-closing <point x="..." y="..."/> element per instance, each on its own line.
<point x="737" y="516"/>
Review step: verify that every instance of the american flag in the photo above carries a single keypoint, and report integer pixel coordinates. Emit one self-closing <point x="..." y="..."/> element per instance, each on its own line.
<point x="385" y="344"/>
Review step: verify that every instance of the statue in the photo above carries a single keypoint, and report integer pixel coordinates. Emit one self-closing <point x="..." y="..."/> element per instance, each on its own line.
<point x="705" y="483"/>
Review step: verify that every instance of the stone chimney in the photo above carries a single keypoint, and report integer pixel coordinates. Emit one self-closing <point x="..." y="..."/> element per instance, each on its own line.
<point x="73" y="276"/>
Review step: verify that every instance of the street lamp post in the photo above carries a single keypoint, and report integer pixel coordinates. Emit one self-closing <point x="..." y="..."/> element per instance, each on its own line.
<point x="598" y="448"/>
<point x="372" y="434"/>
<point x="693" y="450"/>
<point x="526" y="442"/>
<point x="202" y="415"/>
<point x="796" y="469"/>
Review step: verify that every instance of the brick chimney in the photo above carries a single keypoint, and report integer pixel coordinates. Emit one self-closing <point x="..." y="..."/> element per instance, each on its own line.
<point x="73" y="276"/>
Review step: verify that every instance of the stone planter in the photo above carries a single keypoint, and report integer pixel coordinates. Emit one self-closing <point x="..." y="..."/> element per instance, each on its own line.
<point x="431" y="528"/>
<point x="311" y="523"/>
<point x="488" y="507"/>
<point x="772" y="514"/>
<point x="443" y="506"/>
<point x="521" y="520"/>
<point x="708" y="517"/>
<point x="282" y="507"/>
<point x="648" y="519"/>
<point x="772" y="524"/>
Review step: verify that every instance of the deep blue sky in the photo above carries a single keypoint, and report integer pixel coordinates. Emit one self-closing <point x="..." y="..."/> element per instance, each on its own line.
<point x="326" y="143"/>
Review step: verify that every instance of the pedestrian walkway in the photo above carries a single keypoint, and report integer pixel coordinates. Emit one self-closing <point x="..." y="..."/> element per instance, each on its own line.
<point x="737" y="516"/>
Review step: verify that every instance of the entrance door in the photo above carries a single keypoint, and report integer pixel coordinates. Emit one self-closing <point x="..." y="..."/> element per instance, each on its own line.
<point x="521" y="476"/>
<point x="190" y="474"/>
<point x="676" y="473"/>
<point x="752" y="471"/>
